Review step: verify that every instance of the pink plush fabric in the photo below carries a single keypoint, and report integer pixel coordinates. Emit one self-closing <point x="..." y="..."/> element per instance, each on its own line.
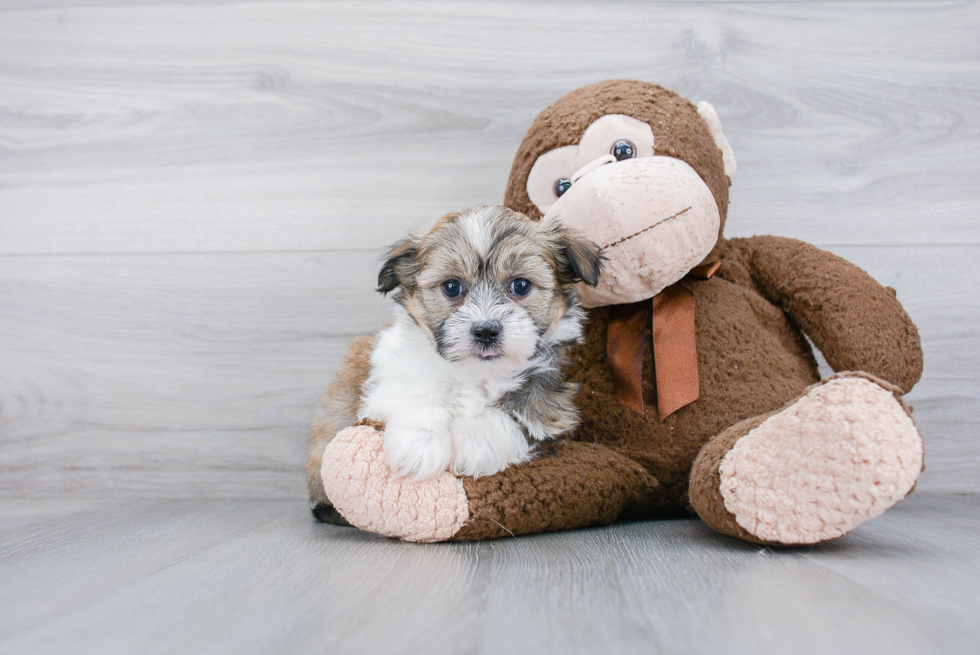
<point x="364" y="490"/>
<point x="659" y="221"/>
<point x="841" y="455"/>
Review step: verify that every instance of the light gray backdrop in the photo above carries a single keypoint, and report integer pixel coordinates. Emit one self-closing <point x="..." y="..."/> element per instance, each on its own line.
<point x="193" y="197"/>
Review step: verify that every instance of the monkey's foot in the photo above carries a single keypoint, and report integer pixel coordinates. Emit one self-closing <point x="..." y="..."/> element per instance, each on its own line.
<point x="839" y="455"/>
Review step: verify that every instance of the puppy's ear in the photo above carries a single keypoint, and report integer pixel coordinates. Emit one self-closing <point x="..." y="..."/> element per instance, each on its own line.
<point x="398" y="264"/>
<point x="581" y="259"/>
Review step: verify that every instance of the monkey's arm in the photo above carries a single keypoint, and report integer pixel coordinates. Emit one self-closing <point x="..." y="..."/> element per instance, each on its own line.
<point x="856" y="323"/>
<point x="574" y="485"/>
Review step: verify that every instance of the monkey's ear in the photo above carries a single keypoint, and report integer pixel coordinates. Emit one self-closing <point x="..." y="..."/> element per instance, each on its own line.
<point x="581" y="259"/>
<point x="710" y="117"/>
<point x="397" y="266"/>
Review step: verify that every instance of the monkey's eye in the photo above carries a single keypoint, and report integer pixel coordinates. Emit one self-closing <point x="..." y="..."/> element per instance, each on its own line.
<point x="520" y="287"/>
<point x="623" y="149"/>
<point x="452" y="288"/>
<point x="562" y="185"/>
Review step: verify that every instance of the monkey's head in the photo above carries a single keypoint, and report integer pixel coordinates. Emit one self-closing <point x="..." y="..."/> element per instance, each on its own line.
<point x="638" y="170"/>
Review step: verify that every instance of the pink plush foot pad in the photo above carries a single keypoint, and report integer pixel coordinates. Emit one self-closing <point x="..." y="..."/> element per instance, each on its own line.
<point x="365" y="491"/>
<point x="839" y="456"/>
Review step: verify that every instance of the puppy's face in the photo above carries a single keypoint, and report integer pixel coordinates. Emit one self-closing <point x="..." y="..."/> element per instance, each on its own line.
<point x="488" y="284"/>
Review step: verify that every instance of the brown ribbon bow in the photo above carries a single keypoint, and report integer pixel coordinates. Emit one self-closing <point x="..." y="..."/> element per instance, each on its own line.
<point x="675" y="354"/>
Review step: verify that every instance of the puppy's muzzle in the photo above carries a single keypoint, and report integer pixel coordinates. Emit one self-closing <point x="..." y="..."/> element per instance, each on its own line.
<point x="486" y="334"/>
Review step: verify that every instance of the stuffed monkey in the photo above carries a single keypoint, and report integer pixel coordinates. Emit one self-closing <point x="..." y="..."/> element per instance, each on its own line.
<point x="698" y="390"/>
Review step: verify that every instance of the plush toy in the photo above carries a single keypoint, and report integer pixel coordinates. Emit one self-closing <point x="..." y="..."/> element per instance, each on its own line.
<point x="699" y="391"/>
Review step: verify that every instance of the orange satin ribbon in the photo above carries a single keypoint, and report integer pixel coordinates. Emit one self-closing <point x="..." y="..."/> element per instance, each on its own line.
<point x="624" y="349"/>
<point x="675" y="352"/>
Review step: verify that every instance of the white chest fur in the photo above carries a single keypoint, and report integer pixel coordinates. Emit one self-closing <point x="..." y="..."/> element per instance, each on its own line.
<point x="439" y="414"/>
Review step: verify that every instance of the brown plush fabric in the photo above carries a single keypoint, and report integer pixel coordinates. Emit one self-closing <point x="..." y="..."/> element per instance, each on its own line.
<point x="371" y="423"/>
<point x="856" y="323"/>
<point x="574" y="485"/>
<point x="704" y="486"/>
<point x="678" y="131"/>
<point x="752" y="360"/>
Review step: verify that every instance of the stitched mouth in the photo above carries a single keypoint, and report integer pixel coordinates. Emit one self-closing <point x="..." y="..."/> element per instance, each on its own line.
<point x="646" y="229"/>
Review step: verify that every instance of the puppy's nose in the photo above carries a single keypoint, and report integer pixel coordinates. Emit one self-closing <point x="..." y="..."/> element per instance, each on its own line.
<point x="486" y="333"/>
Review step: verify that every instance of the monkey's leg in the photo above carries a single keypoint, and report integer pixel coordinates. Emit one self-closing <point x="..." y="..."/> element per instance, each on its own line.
<point x="840" y="454"/>
<point x="573" y="485"/>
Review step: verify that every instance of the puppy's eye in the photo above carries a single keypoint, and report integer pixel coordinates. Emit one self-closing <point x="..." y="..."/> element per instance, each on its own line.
<point x="520" y="287"/>
<point x="452" y="288"/>
<point x="562" y="185"/>
<point x="623" y="149"/>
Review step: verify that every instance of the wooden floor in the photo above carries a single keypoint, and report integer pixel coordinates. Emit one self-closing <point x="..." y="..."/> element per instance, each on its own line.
<point x="238" y="576"/>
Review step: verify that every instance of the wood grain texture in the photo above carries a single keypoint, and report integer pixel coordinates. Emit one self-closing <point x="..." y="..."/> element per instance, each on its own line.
<point x="87" y="551"/>
<point x="197" y="374"/>
<point x="303" y="125"/>
<point x="172" y="374"/>
<point x="193" y="196"/>
<point x="258" y="576"/>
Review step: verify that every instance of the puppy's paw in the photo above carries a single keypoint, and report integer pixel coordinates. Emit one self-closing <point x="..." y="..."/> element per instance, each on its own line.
<point x="364" y="490"/>
<point x="486" y="444"/>
<point x="417" y="451"/>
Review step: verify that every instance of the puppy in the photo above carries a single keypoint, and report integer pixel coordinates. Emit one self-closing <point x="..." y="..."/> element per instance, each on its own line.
<point x="467" y="377"/>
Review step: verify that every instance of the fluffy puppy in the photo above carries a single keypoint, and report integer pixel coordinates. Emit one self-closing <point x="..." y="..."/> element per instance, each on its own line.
<point x="467" y="377"/>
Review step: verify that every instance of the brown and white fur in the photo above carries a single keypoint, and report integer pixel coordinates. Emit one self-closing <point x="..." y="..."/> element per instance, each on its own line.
<point x="467" y="383"/>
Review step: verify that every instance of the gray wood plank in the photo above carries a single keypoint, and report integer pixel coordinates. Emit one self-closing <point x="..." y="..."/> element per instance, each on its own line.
<point x="293" y="126"/>
<point x="197" y="374"/>
<point x="947" y="315"/>
<point x="90" y="552"/>
<point x="187" y="375"/>
<point x="18" y="515"/>
<point x="287" y="585"/>
<point x="942" y="584"/>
